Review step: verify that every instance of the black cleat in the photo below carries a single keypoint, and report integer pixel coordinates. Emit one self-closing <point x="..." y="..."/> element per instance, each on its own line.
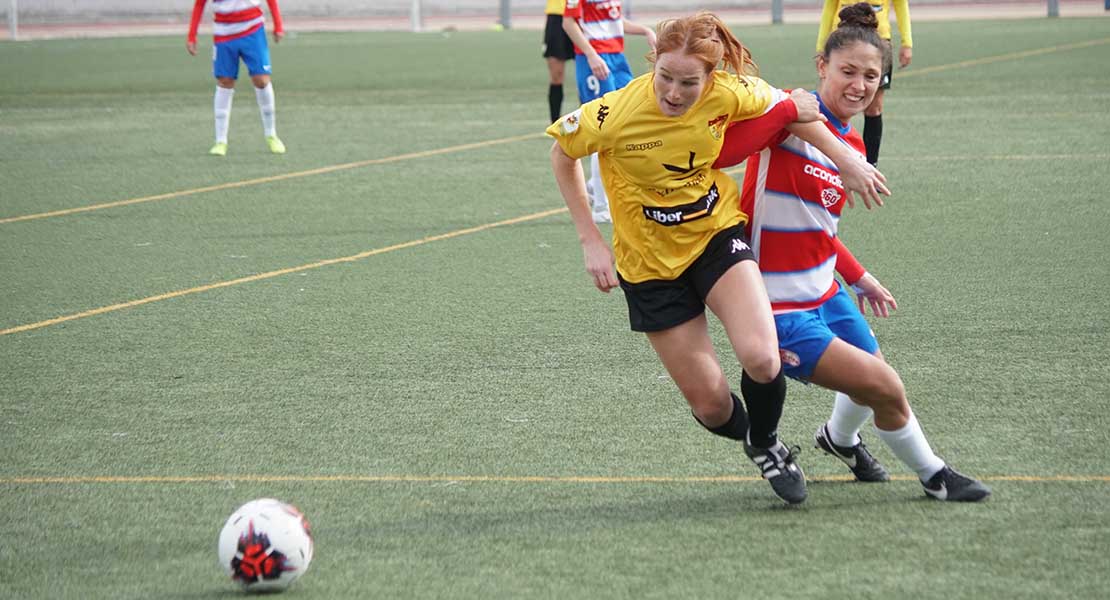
<point x="859" y="460"/>
<point x="948" y="484"/>
<point x="779" y="467"/>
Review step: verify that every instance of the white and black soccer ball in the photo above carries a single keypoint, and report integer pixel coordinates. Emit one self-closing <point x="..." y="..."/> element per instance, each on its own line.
<point x="265" y="545"/>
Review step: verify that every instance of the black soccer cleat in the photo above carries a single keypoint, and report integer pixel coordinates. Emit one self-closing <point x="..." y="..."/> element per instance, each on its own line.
<point x="953" y="486"/>
<point x="779" y="467"/>
<point x="858" y="458"/>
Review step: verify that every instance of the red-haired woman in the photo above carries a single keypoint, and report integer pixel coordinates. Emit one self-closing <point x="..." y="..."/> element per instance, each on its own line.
<point x="678" y="237"/>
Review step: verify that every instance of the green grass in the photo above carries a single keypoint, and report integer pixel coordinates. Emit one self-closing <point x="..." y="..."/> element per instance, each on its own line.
<point x="472" y="363"/>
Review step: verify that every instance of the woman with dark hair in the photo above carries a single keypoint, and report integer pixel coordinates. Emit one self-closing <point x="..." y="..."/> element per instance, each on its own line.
<point x="794" y="195"/>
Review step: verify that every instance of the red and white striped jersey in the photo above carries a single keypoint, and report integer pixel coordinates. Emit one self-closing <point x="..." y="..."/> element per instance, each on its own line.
<point x="601" y="22"/>
<point x="234" y="18"/>
<point x="793" y="195"/>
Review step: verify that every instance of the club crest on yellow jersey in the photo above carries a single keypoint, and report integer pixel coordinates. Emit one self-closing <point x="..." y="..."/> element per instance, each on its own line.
<point x="569" y="123"/>
<point x="717" y="126"/>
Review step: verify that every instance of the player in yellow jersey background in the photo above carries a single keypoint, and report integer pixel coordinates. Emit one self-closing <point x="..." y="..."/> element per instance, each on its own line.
<point x="678" y="235"/>
<point x="873" y="115"/>
<point x="557" y="50"/>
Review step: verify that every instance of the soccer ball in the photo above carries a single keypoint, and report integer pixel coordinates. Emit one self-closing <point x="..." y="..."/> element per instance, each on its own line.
<point x="265" y="545"/>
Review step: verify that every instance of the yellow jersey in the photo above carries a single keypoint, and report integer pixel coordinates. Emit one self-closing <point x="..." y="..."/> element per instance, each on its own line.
<point x="665" y="198"/>
<point x="830" y="18"/>
<point x="555" y="7"/>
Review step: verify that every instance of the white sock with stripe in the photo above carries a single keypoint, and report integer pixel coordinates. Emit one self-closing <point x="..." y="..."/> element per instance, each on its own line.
<point x="222" y="109"/>
<point x="265" y="98"/>
<point x="846" y="419"/>
<point x="911" y="447"/>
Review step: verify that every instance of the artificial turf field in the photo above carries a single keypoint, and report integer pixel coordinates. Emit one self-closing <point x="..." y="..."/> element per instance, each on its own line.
<point x="390" y="326"/>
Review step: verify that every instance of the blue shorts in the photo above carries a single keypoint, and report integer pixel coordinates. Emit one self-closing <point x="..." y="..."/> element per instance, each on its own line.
<point x="251" y="48"/>
<point x="590" y="87"/>
<point x="804" y="335"/>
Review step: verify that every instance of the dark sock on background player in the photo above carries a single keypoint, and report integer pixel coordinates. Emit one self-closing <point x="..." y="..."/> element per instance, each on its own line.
<point x="555" y="101"/>
<point x="872" y="136"/>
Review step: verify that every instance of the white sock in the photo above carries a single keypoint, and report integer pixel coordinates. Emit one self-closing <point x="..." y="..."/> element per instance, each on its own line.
<point x="265" y="98"/>
<point x="222" y="109"/>
<point x="597" y="189"/>
<point x="846" y="420"/>
<point x="911" y="447"/>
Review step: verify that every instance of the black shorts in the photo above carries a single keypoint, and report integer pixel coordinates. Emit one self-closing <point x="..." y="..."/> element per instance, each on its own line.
<point x="556" y="42"/>
<point x="888" y="65"/>
<point x="659" y="304"/>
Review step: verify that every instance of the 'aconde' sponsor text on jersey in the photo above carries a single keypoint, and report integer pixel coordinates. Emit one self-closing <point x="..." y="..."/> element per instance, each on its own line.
<point x="794" y="195"/>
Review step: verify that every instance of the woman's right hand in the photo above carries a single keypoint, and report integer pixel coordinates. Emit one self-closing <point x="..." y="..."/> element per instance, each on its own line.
<point x="599" y="264"/>
<point x="809" y="109"/>
<point x="598" y="66"/>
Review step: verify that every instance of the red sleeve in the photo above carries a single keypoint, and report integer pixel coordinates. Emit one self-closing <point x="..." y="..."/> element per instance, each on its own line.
<point x="745" y="138"/>
<point x="573" y="9"/>
<point x="279" y="27"/>
<point x="194" y="21"/>
<point x="846" y="264"/>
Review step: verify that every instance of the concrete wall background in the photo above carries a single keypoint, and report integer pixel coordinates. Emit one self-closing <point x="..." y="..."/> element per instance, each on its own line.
<point x="134" y="9"/>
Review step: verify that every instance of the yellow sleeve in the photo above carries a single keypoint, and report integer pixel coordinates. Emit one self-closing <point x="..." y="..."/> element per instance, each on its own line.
<point x="828" y="16"/>
<point x="755" y="98"/>
<point x="579" y="132"/>
<point x="902" y="13"/>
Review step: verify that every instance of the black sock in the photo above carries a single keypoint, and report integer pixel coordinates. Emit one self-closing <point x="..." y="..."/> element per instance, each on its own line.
<point x="555" y="101"/>
<point x="764" y="402"/>
<point x="737" y="426"/>
<point x="872" y="136"/>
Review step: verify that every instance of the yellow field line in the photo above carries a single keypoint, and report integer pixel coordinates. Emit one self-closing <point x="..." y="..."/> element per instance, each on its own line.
<point x="260" y="180"/>
<point x="378" y="161"/>
<point x="279" y="272"/>
<point x="1002" y="57"/>
<point x="492" y="479"/>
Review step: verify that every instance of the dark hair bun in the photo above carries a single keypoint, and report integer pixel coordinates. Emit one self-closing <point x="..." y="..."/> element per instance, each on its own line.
<point x="859" y="15"/>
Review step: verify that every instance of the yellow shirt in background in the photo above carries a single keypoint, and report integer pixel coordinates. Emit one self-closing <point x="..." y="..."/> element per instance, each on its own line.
<point x="830" y="18"/>
<point x="555" y="7"/>
<point x="666" y="200"/>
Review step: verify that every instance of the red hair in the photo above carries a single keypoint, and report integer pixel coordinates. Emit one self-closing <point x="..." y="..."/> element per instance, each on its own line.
<point x="705" y="36"/>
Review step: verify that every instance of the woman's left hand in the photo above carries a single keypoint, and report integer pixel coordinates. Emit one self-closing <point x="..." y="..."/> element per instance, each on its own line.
<point x="863" y="179"/>
<point x="809" y="109"/>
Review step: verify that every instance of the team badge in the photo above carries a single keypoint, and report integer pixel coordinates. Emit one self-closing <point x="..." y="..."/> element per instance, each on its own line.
<point x="789" y="359"/>
<point x="717" y="126"/>
<point x="569" y="124"/>
<point x="829" y="197"/>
